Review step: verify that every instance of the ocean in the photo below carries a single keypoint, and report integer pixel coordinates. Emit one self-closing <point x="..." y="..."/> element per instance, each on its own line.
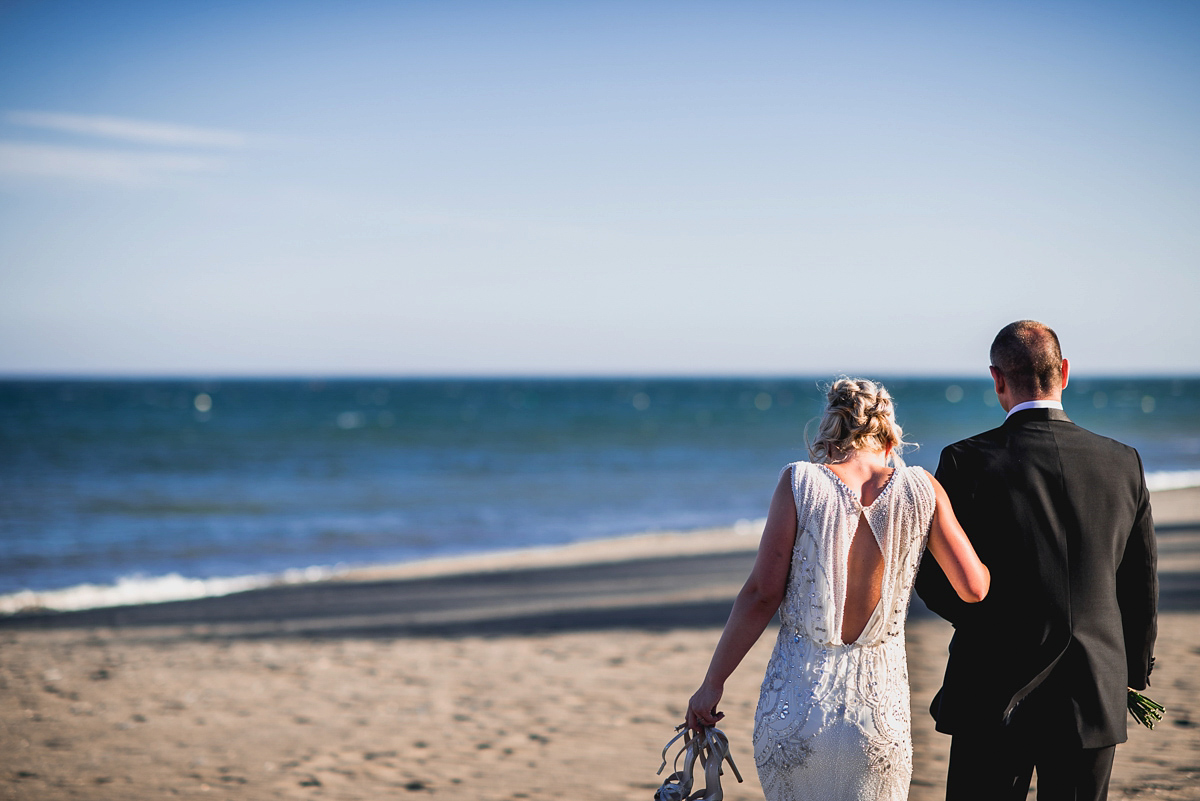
<point x="115" y="491"/>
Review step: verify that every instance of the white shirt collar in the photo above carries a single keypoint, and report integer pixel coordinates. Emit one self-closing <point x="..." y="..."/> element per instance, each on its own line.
<point x="1034" y="404"/>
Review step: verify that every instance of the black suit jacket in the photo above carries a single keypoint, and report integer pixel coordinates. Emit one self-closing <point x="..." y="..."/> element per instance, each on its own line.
<point x="1061" y="517"/>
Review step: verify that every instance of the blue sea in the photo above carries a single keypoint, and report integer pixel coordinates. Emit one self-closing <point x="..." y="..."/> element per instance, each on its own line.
<point x="115" y="490"/>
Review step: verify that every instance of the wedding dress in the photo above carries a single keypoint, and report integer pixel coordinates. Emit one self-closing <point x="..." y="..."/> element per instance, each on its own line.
<point x="833" y="717"/>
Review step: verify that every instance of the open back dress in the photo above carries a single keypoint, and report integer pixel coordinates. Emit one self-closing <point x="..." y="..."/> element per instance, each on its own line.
<point x="833" y="718"/>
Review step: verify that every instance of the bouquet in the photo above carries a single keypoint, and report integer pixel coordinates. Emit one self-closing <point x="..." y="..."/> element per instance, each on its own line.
<point x="1145" y="710"/>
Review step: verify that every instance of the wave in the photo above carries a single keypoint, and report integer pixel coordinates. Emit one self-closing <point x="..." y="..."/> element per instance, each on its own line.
<point x="139" y="589"/>
<point x="1159" y="480"/>
<point x="131" y="590"/>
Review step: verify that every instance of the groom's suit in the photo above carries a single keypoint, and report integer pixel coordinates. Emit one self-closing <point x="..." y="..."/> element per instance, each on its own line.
<point x="1061" y="517"/>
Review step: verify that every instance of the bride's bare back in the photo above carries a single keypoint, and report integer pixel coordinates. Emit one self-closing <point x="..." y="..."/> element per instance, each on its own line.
<point x="864" y="565"/>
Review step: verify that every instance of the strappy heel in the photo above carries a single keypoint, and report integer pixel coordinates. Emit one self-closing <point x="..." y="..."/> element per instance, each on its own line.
<point x="716" y="748"/>
<point x="678" y="786"/>
<point x="711" y="747"/>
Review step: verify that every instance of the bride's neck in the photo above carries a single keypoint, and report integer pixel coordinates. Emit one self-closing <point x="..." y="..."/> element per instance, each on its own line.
<point x="862" y="461"/>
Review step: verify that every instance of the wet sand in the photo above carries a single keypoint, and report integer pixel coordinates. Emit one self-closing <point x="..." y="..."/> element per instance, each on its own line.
<point x="544" y="675"/>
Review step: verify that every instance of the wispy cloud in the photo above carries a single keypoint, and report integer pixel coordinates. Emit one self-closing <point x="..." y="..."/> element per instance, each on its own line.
<point x="157" y="151"/>
<point x="99" y="166"/>
<point x="133" y="131"/>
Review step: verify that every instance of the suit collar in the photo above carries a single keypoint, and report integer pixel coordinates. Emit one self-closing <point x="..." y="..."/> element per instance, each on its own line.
<point x="1035" y="416"/>
<point x="1040" y="403"/>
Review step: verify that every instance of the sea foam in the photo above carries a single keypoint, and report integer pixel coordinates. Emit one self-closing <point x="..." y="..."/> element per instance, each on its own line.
<point x="148" y="590"/>
<point x="1159" y="480"/>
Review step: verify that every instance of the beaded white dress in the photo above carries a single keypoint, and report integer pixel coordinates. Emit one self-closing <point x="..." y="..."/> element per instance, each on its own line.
<point x="833" y="718"/>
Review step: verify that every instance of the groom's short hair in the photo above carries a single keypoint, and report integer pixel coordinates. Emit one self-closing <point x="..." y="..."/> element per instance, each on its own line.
<point x="1027" y="353"/>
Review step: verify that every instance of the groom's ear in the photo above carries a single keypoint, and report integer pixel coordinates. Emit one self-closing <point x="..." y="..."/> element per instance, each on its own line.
<point x="998" y="378"/>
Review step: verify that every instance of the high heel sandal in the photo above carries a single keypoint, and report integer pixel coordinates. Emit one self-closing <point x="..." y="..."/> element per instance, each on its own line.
<point x="711" y="747"/>
<point x="716" y="748"/>
<point x="678" y="786"/>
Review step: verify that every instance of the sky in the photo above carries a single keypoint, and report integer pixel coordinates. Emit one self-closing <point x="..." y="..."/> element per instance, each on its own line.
<point x="595" y="188"/>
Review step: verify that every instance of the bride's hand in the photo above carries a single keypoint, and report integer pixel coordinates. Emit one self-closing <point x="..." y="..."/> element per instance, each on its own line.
<point x="702" y="708"/>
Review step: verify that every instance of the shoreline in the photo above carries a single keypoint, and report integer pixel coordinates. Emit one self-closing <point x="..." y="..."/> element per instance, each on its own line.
<point x="658" y="580"/>
<point x="1172" y="508"/>
<point x="742" y="536"/>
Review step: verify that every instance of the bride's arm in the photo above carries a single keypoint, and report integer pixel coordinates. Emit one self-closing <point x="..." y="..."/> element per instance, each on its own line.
<point x="756" y="604"/>
<point x="953" y="551"/>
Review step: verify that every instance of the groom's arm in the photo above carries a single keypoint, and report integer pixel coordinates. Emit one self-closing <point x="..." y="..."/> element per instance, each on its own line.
<point x="932" y="585"/>
<point x="1137" y="592"/>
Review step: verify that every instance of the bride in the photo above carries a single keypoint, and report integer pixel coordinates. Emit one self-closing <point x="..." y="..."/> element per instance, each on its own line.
<point x="843" y="539"/>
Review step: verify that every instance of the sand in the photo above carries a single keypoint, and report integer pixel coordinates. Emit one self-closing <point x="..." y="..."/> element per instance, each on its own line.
<point x="557" y="674"/>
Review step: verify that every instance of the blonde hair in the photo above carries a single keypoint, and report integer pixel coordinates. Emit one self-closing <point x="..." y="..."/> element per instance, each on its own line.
<point x="859" y="415"/>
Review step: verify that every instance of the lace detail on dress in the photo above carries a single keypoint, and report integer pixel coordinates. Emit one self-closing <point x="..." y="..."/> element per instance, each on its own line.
<point x="833" y="718"/>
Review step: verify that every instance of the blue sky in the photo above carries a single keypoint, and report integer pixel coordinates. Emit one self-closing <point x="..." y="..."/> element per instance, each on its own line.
<point x="595" y="188"/>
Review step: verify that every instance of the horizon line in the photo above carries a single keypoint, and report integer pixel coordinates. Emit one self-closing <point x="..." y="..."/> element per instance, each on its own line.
<point x="545" y="376"/>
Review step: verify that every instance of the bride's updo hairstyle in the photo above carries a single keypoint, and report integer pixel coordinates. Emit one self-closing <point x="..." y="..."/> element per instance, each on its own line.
<point x="859" y="415"/>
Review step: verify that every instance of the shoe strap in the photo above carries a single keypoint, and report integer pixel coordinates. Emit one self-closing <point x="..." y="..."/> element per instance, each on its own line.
<point x="683" y="732"/>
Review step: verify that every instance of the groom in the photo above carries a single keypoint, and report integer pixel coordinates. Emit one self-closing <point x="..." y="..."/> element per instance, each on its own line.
<point x="1037" y="672"/>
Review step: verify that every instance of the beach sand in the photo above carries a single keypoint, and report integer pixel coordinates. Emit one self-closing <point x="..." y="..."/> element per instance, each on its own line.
<point x="546" y="675"/>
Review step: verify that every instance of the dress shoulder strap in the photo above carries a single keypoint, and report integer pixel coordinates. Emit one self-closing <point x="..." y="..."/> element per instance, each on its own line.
<point x="916" y="496"/>
<point x="802" y="490"/>
<point x="922" y="486"/>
